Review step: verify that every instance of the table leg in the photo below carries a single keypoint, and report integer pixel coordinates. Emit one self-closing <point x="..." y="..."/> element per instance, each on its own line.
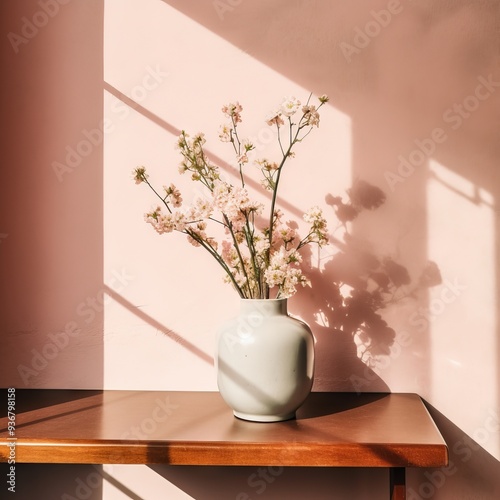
<point x="398" y="483"/>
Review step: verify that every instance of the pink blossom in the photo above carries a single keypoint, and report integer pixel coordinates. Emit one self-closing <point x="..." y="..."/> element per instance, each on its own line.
<point x="261" y="244"/>
<point x="318" y="231"/>
<point x="264" y="164"/>
<point x="233" y="110"/>
<point x="253" y="258"/>
<point x="243" y="158"/>
<point x="173" y="195"/>
<point x="140" y="175"/>
<point x="202" y="208"/>
<point x="311" y="116"/>
<point x="274" y="118"/>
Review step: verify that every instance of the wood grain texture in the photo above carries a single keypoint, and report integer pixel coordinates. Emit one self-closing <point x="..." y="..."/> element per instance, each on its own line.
<point x="197" y="428"/>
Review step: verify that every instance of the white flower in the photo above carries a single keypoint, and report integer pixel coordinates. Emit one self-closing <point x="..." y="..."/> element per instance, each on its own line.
<point x="283" y="272"/>
<point x="201" y="209"/>
<point x="312" y="214"/>
<point x="318" y="231"/>
<point x="261" y="244"/>
<point x="289" y="106"/>
<point x="255" y="257"/>
<point x="225" y="133"/>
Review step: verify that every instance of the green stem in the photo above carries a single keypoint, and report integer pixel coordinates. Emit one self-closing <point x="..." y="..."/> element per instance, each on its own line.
<point x="237" y="150"/>
<point x="249" y="236"/>
<point x="217" y="257"/>
<point x="163" y="199"/>
<point x="238" y="251"/>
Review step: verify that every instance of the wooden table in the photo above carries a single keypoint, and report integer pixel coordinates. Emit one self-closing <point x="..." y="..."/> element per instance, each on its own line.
<point x="197" y="428"/>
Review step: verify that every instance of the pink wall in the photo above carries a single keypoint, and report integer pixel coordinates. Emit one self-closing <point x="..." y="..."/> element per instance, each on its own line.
<point x="93" y="298"/>
<point x="51" y="253"/>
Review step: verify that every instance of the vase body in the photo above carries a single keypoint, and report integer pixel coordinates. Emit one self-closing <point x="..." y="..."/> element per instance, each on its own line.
<point x="265" y="361"/>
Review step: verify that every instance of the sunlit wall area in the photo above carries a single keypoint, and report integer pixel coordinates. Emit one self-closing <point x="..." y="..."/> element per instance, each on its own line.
<point x="164" y="73"/>
<point x="461" y="314"/>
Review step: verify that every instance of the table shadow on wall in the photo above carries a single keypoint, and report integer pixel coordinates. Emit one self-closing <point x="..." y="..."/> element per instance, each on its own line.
<point x="472" y="472"/>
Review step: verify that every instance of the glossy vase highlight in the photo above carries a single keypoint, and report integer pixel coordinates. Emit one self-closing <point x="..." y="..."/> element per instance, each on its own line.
<point x="265" y="361"/>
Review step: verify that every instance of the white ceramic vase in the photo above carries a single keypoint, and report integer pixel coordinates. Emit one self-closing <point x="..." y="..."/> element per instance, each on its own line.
<point x="265" y="361"/>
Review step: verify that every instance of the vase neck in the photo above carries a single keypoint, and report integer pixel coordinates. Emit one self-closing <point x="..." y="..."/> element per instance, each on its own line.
<point x="264" y="307"/>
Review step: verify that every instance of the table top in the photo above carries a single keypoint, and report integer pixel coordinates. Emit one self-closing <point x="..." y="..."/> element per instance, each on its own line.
<point x="197" y="428"/>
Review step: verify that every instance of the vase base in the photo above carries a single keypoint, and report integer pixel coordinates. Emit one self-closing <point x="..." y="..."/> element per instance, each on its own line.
<point x="264" y="418"/>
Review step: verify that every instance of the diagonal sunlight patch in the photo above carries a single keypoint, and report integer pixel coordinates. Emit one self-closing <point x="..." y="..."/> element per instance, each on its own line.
<point x="163" y="73"/>
<point x="228" y="168"/>
<point x="461" y="311"/>
<point x="136" y="311"/>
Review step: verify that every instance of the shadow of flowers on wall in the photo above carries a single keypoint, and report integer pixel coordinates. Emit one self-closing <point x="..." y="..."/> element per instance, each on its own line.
<point x="352" y="289"/>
